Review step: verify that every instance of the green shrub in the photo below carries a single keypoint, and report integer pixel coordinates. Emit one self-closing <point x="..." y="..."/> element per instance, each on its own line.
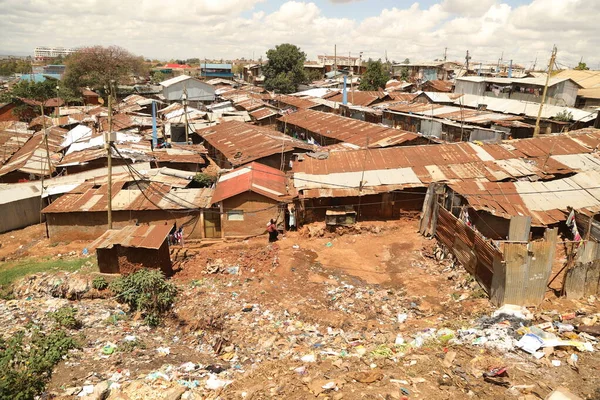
<point x="99" y="283"/>
<point x="146" y="291"/>
<point x="26" y="365"/>
<point x="65" y="317"/>
<point x="127" y="346"/>
<point x="205" y="180"/>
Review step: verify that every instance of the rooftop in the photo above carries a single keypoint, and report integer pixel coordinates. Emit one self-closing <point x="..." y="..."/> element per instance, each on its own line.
<point x="142" y="236"/>
<point x="348" y="130"/>
<point x="255" y="177"/>
<point x="242" y="143"/>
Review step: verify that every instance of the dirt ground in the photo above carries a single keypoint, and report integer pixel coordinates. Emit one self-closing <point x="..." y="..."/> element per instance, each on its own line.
<point x="305" y="317"/>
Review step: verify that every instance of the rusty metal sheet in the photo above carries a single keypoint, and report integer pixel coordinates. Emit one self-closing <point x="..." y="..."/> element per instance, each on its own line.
<point x="242" y="143"/>
<point x="515" y="257"/>
<point x="142" y="236"/>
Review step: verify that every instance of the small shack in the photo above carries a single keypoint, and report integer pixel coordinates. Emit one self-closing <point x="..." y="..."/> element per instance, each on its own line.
<point x="123" y="251"/>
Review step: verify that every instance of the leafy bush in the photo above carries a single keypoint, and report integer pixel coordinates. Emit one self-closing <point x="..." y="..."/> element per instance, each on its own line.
<point x="99" y="283"/>
<point x="128" y="346"/>
<point x="564" y="116"/>
<point x="146" y="291"/>
<point x="65" y="317"/>
<point x="205" y="180"/>
<point x="27" y="365"/>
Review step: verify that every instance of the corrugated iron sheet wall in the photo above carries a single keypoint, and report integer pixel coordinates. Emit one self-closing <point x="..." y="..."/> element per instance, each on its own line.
<point x="583" y="279"/>
<point x="473" y="252"/>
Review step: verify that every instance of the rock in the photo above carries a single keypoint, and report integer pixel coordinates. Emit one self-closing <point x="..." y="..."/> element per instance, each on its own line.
<point x="174" y="393"/>
<point x="101" y="392"/>
<point x="562" y="393"/>
<point x="366" y="376"/>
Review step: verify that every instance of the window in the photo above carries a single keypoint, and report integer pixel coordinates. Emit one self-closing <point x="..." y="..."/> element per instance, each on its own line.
<point x="235" y="215"/>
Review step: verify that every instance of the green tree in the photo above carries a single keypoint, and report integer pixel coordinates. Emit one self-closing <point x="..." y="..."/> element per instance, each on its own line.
<point x="284" y="70"/>
<point x="238" y="69"/>
<point x="375" y="77"/>
<point x="314" y="75"/>
<point x="97" y="66"/>
<point x="582" y="67"/>
<point x="158" y="76"/>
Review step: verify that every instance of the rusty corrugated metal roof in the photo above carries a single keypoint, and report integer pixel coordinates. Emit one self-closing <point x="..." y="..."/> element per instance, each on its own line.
<point x="545" y="202"/>
<point x="142" y="236"/>
<point x="263" y="113"/>
<point x="255" y="177"/>
<point x="127" y="196"/>
<point x="242" y="143"/>
<point x="348" y="130"/>
<point x="362" y="98"/>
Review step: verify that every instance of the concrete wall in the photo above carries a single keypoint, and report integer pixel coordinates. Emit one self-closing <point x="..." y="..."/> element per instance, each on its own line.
<point x="19" y="214"/>
<point x="258" y="210"/>
<point x="90" y="225"/>
<point x="196" y="91"/>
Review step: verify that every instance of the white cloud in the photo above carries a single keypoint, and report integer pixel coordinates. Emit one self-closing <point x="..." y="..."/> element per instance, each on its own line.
<point x="239" y="28"/>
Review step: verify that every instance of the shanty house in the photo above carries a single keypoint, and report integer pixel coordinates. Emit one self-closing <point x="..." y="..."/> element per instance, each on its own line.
<point x="561" y="91"/>
<point x="20" y="206"/>
<point x="82" y="213"/>
<point x="123" y="251"/>
<point x="249" y="197"/>
<point x="197" y="91"/>
<point x="233" y="143"/>
<point x="216" y="71"/>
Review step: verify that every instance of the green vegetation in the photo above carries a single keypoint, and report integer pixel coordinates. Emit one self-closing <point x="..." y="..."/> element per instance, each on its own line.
<point x="146" y="291"/>
<point x="97" y="67"/>
<point x="563" y="116"/>
<point x="11" y="271"/>
<point x="284" y="70"/>
<point x="9" y="67"/>
<point x="205" y="180"/>
<point x="65" y="317"/>
<point x="375" y="77"/>
<point x="127" y="346"/>
<point x="99" y="283"/>
<point x="158" y="76"/>
<point x="27" y="364"/>
<point x="582" y="67"/>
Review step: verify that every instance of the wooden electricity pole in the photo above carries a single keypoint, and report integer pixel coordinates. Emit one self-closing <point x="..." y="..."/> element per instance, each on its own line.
<point x="108" y="144"/>
<point x="536" y="131"/>
<point x="185" y="116"/>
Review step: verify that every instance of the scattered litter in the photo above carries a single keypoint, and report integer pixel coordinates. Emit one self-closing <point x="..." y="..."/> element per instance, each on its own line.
<point x="165" y="351"/>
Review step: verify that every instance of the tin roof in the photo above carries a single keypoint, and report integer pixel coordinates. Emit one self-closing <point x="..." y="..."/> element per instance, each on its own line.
<point x="242" y="143"/>
<point x="127" y="196"/>
<point x="262" y="113"/>
<point x="11" y="140"/>
<point x="585" y="78"/>
<point x="254" y="177"/>
<point x="397" y="167"/>
<point x="545" y="202"/>
<point x="142" y="236"/>
<point x="348" y="130"/>
<point x="300" y="103"/>
<point x="439" y="85"/>
<point x="361" y="98"/>
<point x="32" y="157"/>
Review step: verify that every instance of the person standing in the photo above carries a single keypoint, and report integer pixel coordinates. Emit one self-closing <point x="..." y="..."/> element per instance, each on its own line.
<point x="272" y="229"/>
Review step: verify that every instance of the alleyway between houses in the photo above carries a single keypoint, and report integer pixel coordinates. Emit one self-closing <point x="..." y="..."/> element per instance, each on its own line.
<point x="363" y="313"/>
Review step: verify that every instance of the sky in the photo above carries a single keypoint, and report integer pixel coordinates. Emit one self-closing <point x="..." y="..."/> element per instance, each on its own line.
<point x="521" y="30"/>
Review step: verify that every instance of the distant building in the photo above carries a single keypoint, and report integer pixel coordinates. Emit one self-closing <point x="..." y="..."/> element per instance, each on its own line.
<point x="561" y="91"/>
<point x="57" y="69"/>
<point x="216" y="70"/>
<point x="197" y="91"/>
<point x="46" y="53"/>
<point x="253" y="74"/>
<point x="342" y="63"/>
<point x="425" y="71"/>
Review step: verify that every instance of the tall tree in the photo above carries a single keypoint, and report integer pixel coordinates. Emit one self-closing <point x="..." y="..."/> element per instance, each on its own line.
<point x="284" y="70"/>
<point x="97" y="66"/>
<point x="375" y="77"/>
<point x="38" y="91"/>
<point x="582" y="66"/>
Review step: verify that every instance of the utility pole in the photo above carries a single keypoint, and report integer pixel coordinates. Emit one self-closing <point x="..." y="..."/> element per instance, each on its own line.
<point x="445" y="53"/>
<point x="335" y="58"/>
<point x="108" y="143"/>
<point x="185" y="116"/>
<point x="536" y="131"/>
<point x="49" y="164"/>
<point x="467" y="58"/>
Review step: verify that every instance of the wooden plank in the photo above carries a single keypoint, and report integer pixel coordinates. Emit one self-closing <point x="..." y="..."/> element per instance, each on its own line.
<point x="519" y="228"/>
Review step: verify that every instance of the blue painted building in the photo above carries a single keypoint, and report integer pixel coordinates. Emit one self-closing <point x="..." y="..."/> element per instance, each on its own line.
<point x="216" y="70"/>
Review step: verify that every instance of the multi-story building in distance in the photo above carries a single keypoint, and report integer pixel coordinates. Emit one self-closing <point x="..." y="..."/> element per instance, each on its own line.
<point x="45" y="53"/>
